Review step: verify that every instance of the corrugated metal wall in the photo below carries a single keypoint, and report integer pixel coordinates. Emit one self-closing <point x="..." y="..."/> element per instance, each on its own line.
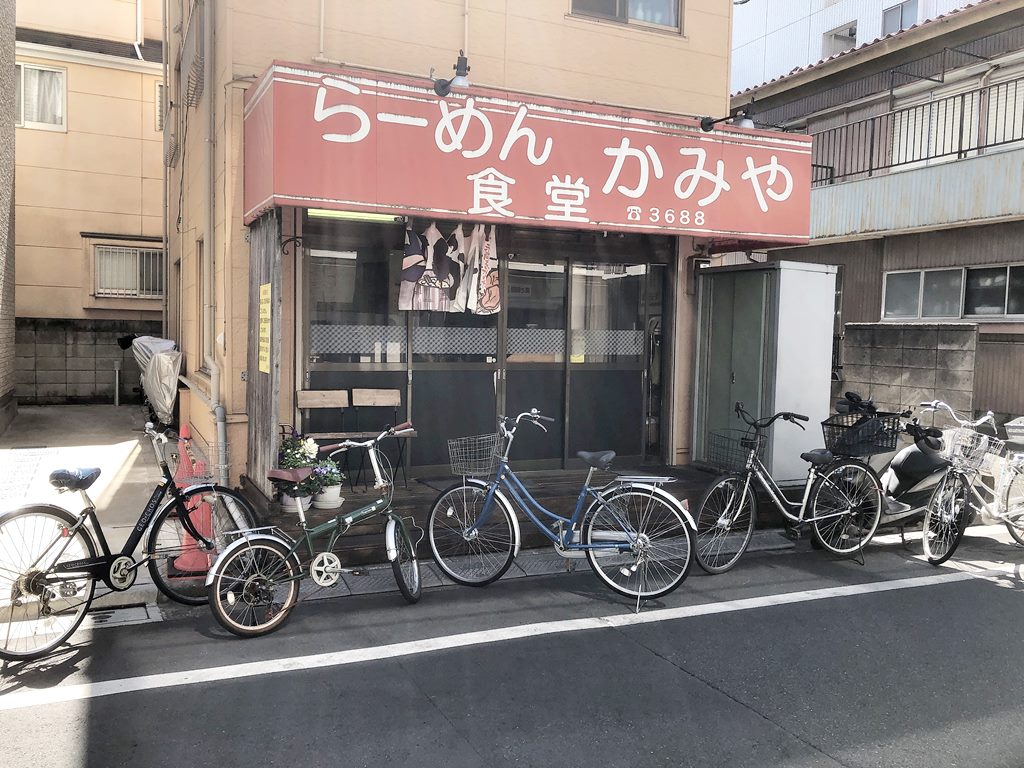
<point x="997" y="378"/>
<point x="968" y="246"/>
<point x="861" y="275"/>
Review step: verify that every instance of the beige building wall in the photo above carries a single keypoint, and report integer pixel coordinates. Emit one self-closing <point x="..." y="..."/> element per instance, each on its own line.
<point x="534" y="46"/>
<point x="100" y="173"/>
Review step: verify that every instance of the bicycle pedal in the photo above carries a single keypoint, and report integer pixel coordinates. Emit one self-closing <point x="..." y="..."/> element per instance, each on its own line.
<point x="792" y="534"/>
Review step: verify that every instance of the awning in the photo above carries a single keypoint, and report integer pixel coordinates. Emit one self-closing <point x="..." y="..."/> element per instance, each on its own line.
<point x="359" y="140"/>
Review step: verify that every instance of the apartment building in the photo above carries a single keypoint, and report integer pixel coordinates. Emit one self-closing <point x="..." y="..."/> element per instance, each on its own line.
<point x="771" y="38"/>
<point x="446" y="210"/>
<point x="89" y="194"/>
<point x="918" y="150"/>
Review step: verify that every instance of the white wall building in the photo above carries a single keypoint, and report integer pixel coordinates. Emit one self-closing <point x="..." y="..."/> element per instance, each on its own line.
<point x="771" y="38"/>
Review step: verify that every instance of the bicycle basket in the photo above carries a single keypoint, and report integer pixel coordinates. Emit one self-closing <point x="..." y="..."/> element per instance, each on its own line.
<point x="968" y="450"/>
<point x="476" y="455"/>
<point x="728" y="449"/>
<point x="858" y="434"/>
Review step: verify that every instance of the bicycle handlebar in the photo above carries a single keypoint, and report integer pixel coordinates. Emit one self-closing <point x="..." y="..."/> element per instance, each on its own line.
<point x="766" y="422"/>
<point x="937" y="405"/>
<point x="396" y="431"/>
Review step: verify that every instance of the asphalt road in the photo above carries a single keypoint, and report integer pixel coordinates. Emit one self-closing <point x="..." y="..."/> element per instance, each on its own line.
<point x="789" y="660"/>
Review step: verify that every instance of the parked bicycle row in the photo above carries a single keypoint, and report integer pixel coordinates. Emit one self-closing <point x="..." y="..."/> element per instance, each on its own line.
<point x="639" y="540"/>
<point x="940" y="482"/>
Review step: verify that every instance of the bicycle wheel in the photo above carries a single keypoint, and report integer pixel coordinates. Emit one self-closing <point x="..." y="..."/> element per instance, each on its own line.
<point x="846" y="504"/>
<point x="1013" y="503"/>
<point x="656" y="543"/>
<point x="177" y="562"/>
<point x="254" y="588"/>
<point x="725" y="523"/>
<point x="946" y="518"/>
<point x="405" y="565"/>
<point x="471" y="557"/>
<point x="39" y="611"/>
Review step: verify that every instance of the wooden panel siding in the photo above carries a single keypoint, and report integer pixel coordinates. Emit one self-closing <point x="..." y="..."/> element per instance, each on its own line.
<point x="861" y="262"/>
<point x="262" y="392"/>
<point x="997" y="377"/>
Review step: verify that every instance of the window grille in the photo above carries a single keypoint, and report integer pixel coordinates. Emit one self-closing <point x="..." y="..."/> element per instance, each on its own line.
<point x="125" y="272"/>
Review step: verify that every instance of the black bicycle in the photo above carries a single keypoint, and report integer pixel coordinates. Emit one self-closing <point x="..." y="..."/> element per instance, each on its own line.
<point x="49" y="565"/>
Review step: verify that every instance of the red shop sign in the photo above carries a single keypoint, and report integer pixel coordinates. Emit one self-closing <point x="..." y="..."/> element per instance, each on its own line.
<point x="365" y="141"/>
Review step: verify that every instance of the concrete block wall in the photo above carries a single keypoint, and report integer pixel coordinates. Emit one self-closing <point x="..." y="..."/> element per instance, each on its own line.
<point x="73" y="361"/>
<point x="901" y="365"/>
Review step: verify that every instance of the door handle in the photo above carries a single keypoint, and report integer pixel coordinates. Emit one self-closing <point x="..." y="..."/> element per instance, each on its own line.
<point x="734" y="377"/>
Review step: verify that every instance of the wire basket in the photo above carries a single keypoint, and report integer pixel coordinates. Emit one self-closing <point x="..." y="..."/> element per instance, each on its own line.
<point x="474" y="456"/>
<point x="968" y="450"/>
<point x="858" y="434"/>
<point x="728" y="449"/>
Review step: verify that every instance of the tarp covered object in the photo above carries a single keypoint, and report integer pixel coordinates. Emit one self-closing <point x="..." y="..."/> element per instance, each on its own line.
<point x="160" y="363"/>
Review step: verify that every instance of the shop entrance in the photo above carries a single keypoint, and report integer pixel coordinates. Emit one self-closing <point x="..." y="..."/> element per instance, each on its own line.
<point x="578" y="336"/>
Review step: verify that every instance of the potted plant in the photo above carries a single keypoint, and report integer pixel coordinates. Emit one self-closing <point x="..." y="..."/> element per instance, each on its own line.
<point x="297" y="452"/>
<point x="329" y="478"/>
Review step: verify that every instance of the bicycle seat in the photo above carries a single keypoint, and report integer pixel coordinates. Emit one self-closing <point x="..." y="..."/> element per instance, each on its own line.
<point x="74" y="479"/>
<point x="289" y="475"/>
<point x="818" y="456"/>
<point x="597" y="459"/>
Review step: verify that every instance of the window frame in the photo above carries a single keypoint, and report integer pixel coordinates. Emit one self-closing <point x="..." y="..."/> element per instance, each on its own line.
<point x="901" y="6"/>
<point x="629" y="22"/>
<point x="98" y="292"/>
<point x="32" y="125"/>
<point x="964" y="316"/>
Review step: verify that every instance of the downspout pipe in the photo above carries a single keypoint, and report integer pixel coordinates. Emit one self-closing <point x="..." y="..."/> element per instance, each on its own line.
<point x="320" y="58"/>
<point x="210" y="249"/>
<point x="138" y="29"/>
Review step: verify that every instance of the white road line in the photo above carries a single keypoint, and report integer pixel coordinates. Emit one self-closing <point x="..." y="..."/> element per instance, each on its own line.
<point x="58" y="694"/>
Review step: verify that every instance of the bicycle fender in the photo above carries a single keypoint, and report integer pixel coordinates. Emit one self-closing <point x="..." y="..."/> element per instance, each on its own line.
<point x="390" y="534"/>
<point x="508" y="505"/>
<point x="680" y="506"/>
<point x="244" y="541"/>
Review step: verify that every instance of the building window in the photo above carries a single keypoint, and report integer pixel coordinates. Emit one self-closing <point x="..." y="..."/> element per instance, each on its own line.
<point x="126" y="272"/>
<point x="660" y="13"/>
<point x="159" y="108"/>
<point x="899" y="17"/>
<point x="39" y="97"/>
<point x="954" y="293"/>
<point x="838" y="40"/>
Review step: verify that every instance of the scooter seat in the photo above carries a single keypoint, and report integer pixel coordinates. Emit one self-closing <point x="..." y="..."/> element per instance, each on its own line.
<point x="818" y="456"/>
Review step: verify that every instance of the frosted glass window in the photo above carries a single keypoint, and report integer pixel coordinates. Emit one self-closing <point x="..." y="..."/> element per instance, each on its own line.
<point x="902" y="292"/>
<point x="941" y="294"/>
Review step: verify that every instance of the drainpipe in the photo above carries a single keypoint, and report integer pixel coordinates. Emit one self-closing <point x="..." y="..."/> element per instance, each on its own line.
<point x="320" y="58"/>
<point x="465" y="27"/>
<point x="983" y="112"/>
<point x="138" y="29"/>
<point x="164" y="10"/>
<point x="210" y="248"/>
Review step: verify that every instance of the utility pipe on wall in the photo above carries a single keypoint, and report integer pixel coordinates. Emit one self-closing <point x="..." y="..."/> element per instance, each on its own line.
<point x="320" y="58"/>
<point x="139" y="34"/>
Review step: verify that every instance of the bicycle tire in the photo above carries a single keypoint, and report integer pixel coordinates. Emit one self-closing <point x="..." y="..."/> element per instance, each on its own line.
<point x="718" y="548"/>
<point x="406" y="566"/>
<point x="846" y="505"/>
<point x="177" y="562"/>
<point x="946" y="518"/>
<point x="476" y="561"/>
<point x="649" y="518"/>
<point x="1013" y="504"/>
<point x="26" y="534"/>
<point x="241" y="586"/>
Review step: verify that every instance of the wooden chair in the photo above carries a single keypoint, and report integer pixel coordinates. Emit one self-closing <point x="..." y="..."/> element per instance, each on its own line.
<point x="336" y="399"/>
<point x="383" y="398"/>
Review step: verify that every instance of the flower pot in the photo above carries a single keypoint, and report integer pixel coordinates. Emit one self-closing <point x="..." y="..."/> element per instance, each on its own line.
<point x="288" y="502"/>
<point x="328" y="498"/>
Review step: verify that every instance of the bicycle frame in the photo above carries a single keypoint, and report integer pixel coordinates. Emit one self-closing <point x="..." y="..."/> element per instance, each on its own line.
<point x="507" y="479"/>
<point x="789" y="509"/>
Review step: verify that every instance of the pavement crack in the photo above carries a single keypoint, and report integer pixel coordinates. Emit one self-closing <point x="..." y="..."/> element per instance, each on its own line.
<point x="718" y="689"/>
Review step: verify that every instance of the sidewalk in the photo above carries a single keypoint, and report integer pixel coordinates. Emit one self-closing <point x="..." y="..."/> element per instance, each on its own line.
<point x="44" y="438"/>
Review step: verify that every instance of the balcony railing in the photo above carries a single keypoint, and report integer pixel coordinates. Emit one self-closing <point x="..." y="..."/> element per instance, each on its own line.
<point x="955" y="127"/>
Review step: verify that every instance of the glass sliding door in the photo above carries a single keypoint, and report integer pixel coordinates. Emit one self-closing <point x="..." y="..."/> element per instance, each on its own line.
<point x="607" y="340"/>
<point x="535" y="357"/>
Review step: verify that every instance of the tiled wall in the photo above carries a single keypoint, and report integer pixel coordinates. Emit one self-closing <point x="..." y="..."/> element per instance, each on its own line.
<point x="73" y="361"/>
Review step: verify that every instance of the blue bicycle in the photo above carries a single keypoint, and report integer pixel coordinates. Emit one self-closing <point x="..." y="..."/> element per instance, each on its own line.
<point x="638" y="538"/>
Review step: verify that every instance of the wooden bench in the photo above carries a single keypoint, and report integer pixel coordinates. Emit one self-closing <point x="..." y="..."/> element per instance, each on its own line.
<point x="339" y="399"/>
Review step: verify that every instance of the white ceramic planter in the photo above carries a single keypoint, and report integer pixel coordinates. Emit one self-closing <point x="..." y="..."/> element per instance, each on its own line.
<point x="288" y="502"/>
<point x="328" y="498"/>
